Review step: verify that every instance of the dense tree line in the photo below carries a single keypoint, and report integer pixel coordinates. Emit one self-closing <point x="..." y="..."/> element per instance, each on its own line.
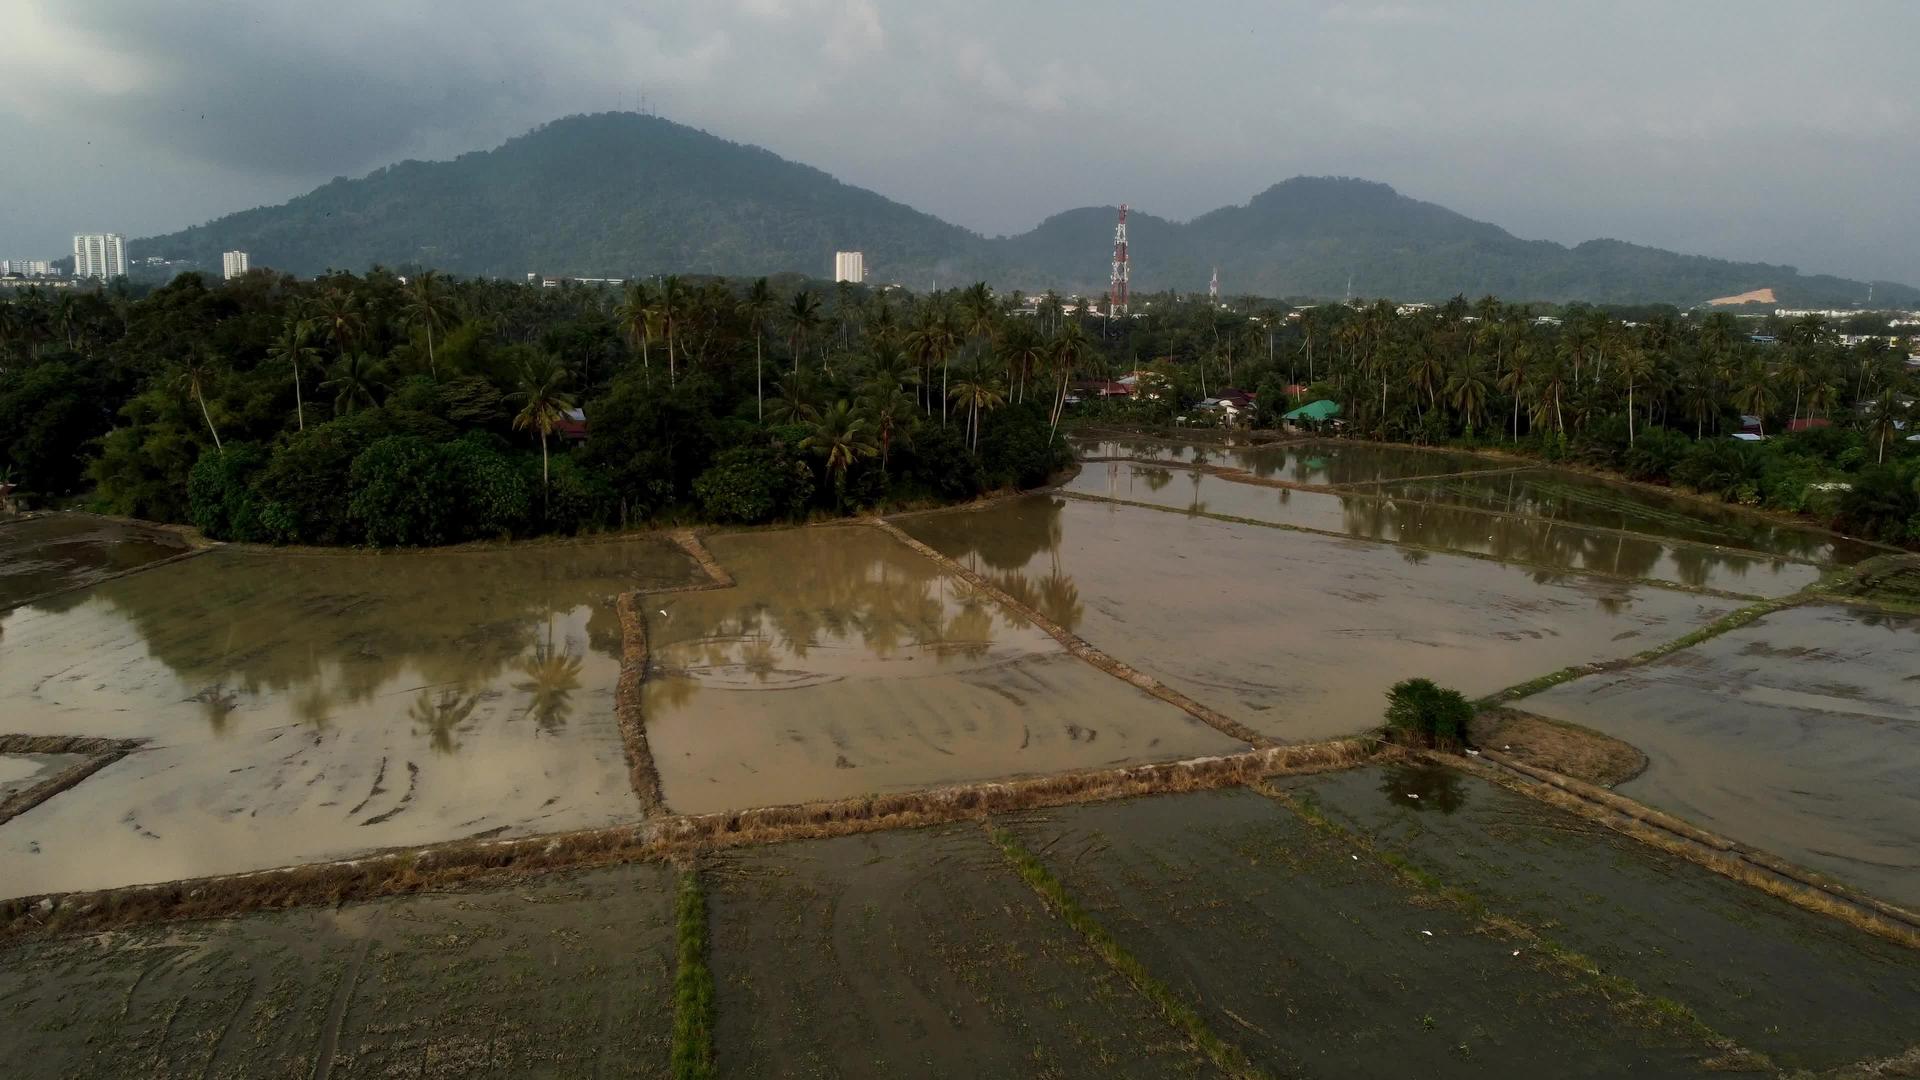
<point x="1649" y="392"/>
<point x="420" y="410"/>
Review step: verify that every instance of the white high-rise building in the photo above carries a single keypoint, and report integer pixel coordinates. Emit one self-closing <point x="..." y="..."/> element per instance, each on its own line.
<point x="27" y="267"/>
<point x="233" y="264"/>
<point x="99" y="255"/>
<point x="849" y="266"/>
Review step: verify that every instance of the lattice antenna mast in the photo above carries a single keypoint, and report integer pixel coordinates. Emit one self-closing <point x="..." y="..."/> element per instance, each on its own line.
<point x="1117" y="285"/>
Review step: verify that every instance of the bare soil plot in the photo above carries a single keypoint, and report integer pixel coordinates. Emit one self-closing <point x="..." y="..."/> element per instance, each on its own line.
<point x="1798" y="734"/>
<point x="1317" y="963"/>
<point x="306" y="707"/>
<point x="567" y="975"/>
<point x="1578" y="499"/>
<point x="842" y="663"/>
<point x="1538" y="541"/>
<point x="1809" y="992"/>
<point x="1296" y="635"/>
<point x="62" y="551"/>
<point x="914" y="954"/>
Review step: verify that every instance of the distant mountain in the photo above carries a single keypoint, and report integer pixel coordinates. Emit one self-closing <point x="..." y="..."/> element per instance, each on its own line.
<point x="618" y="194"/>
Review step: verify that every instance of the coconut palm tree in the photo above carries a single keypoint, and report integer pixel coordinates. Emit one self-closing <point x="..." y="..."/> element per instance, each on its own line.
<point x="635" y="316"/>
<point x="354" y="380"/>
<point x="427" y="307"/>
<point x="1633" y="365"/>
<point x="933" y="338"/>
<point x="543" y="402"/>
<point x="1068" y="350"/>
<point x="291" y="348"/>
<point x="757" y="305"/>
<point x="888" y="411"/>
<point x="194" y="373"/>
<point x="670" y="297"/>
<point x="980" y="390"/>
<point x="803" y="318"/>
<point x="339" y="313"/>
<point x="793" y="401"/>
<point x="1467" y="391"/>
<point x="842" y="438"/>
<point x="1754" y="392"/>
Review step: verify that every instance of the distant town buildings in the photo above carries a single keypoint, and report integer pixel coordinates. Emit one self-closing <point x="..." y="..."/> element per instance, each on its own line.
<point x="27" y="267"/>
<point x="849" y="266"/>
<point x="99" y="255"/>
<point x="233" y="264"/>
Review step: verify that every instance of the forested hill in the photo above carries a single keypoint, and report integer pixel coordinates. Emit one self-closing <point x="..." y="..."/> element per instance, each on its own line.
<point x="617" y="194"/>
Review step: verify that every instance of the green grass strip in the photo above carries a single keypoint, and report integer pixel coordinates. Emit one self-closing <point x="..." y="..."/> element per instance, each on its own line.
<point x="692" y="984"/>
<point x="1732" y="620"/>
<point x="1224" y="1055"/>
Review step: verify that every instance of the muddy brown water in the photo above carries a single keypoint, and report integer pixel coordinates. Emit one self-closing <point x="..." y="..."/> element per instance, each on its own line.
<point x="1539" y="541"/>
<point x="300" y="707"/>
<point x="62" y="551"/>
<point x="19" y="772"/>
<point x="844" y="663"/>
<point x="1331" y="464"/>
<point x="1298" y="635"/>
<point x="1578" y="499"/>
<point x="1808" y="991"/>
<point x="1798" y="734"/>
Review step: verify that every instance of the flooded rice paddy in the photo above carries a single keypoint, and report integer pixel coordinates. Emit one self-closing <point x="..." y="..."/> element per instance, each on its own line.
<point x="42" y="555"/>
<point x="1798" y="734"/>
<point x="1371" y="516"/>
<point x="301" y="707"/>
<point x="23" y="772"/>
<point x="1331" y="464"/>
<point x="843" y="663"/>
<point x="1294" y="634"/>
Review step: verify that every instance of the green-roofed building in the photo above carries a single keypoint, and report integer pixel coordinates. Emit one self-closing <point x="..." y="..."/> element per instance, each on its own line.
<point x="1318" y="412"/>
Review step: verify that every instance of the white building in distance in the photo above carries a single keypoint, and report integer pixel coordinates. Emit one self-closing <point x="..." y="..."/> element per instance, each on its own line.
<point x="99" y="255"/>
<point x="849" y="266"/>
<point x="27" y="267"/>
<point x="233" y="264"/>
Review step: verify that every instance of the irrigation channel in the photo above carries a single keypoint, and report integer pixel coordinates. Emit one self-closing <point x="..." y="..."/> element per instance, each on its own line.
<point x="1078" y="782"/>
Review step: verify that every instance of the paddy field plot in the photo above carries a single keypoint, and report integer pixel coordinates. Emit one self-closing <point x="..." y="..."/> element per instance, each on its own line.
<point x="1298" y="635"/>
<point x="569" y="975"/>
<point x="1577" y="499"/>
<point x="843" y="663"/>
<point x="1798" y="734"/>
<point x="1809" y="992"/>
<point x="1316" y="960"/>
<point x="915" y="953"/>
<point x="1331" y="464"/>
<point x="63" y="551"/>
<point x="1367" y="515"/>
<point x="303" y="707"/>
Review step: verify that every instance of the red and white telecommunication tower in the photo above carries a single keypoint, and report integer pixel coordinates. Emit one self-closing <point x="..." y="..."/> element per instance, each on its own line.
<point x="1117" y="286"/>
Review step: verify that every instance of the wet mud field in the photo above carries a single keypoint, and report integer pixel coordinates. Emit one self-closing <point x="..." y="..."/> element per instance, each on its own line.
<point x="571" y="975"/>
<point x="1296" y="635"/>
<point x="42" y="555"/>
<point x="843" y="663"/>
<point x="298" y="708"/>
<point x="1798" y="734"/>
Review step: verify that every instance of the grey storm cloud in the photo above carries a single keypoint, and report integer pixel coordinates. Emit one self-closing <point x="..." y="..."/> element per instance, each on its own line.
<point x="1764" y="130"/>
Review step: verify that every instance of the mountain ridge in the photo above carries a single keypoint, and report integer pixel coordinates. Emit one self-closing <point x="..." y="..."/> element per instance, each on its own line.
<point x="621" y="194"/>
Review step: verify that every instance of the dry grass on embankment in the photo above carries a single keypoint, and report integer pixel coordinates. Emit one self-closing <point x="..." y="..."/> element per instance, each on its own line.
<point x="490" y="862"/>
<point x="1749" y="866"/>
<point x="1567" y="749"/>
<point x="641" y="770"/>
<point x="1079" y="646"/>
<point x="100" y="753"/>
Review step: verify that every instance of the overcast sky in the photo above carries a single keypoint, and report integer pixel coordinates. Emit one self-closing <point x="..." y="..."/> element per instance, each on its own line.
<point x="1788" y="132"/>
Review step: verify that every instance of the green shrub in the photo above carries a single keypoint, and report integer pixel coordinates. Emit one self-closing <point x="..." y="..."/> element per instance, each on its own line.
<point x="401" y="495"/>
<point x="494" y="497"/>
<point x="576" y="498"/>
<point x="1722" y="467"/>
<point x="1422" y="712"/>
<point x="220" y="494"/>
<point x="750" y="484"/>
<point x="1655" y="453"/>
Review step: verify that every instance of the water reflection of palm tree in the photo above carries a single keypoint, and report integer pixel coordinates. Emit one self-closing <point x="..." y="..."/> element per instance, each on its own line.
<point x="217" y="704"/>
<point x="1156" y="477"/>
<point x="552" y="675"/>
<point x="440" y="716"/>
